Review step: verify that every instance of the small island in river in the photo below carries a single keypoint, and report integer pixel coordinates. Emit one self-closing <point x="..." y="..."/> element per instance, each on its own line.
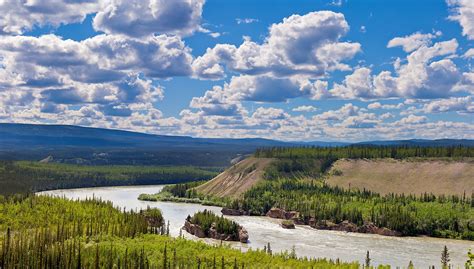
<point x="207" y="224"/>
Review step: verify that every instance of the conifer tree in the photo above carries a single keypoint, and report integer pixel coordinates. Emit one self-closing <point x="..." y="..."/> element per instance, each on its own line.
<point x="367" y="260"/>
<point x="445" y="258"/>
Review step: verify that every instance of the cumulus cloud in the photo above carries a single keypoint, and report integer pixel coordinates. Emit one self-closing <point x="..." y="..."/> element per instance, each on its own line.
<point x="412" y="119"/>
<point x="50" y="61"/>
<point x="422" y="75"/>
<point x="305" y="109"/>
<point x="156" y="56"/>
<point x="302" y="44"/>
<point x="461" y="105"/>
<point x="138" y="18"/>
<point x="131" y="18"/>
<point x="463" y="12"/>
<point x="20" y="16"/>
<point x="413" y="41"/>
<point x="469" y="53"/>
<point x="378" y="105"/>
<point x="216" y="102"/>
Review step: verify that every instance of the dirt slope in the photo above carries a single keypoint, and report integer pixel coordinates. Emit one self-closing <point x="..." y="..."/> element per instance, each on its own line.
<point x="237" y="179"/>
<point x="407" y="176"/>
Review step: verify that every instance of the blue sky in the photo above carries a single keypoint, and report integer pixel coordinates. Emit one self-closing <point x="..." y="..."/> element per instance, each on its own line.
<point x="348" y="70"/>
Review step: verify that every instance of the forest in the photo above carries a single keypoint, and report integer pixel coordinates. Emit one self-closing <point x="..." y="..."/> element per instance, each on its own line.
<point x="47" y="232"/>
<point x="184" y="193"/>
<point x="206" y="218"/>
<point x="438" y="216"/>
<point x="26" y="176"/>
<point x="366" y="151"/>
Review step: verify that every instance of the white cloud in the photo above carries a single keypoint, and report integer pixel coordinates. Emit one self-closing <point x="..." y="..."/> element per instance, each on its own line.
<point x="412" y="119"/>
<point x="49" y="61"/>
<point x="377" y="105"/>
<point x="246" y="20"/>
<point x="458" y="104"/>
<point x="19" y="16"/>
<point x="469" y="53"/>
<point x="216" y="102"/>
<point x="423" y="75"/>
<point x="300" y="45"/>
<point x="463" y="12"/>
<point x="413" y="41"/>
<point x="156" y="56"/>
<point x="305" y="109"/>
<point x="138" y="18"/>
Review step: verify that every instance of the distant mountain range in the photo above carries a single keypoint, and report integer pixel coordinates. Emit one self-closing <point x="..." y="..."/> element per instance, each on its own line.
<point x="77" y="144"/>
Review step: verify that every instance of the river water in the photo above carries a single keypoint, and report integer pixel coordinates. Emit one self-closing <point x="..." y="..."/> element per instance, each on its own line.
<point x="395" y="251"/>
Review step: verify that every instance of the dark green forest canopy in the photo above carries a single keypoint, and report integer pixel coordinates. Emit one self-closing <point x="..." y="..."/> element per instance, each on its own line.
<point x="438" y="216"/>
<point x="369" y="152"/>
<point x="47" y="232"/>
<point x="25" y="176"/>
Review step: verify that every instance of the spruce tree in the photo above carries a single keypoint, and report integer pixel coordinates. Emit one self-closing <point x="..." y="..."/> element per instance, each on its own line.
<point x="367" y="260"/>
<point x="445" y="258"/>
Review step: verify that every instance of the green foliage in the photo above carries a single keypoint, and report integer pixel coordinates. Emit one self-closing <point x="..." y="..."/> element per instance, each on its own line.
<point x="367" y="152"/>
<point x="183" y="193"/>
<point x="439" y="216"/>
<point x="46" y="232"/>
<point x="470" y="260"/>
<point x="66" y="218"/>
<point x="205" y="219"/>
<point x="26" y="176"/>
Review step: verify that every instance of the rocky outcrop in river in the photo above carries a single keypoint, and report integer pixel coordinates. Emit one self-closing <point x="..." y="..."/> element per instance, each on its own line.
<point x="345" y="226"/>
<point x="234" y="212"/>
<point x="194" y="229"/>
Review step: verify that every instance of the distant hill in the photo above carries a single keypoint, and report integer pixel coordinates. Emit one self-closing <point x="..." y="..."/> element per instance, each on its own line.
<point x="85" y="145"/>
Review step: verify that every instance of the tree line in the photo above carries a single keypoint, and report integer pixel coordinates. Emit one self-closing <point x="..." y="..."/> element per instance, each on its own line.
<point x="439" y="216"/>
<point x="48" y="232"/>
<point x="366" y="151"/>
<point x="23" y="176"/>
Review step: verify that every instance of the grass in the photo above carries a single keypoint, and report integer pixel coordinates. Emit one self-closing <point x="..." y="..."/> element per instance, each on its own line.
<point x="411" y="176"/>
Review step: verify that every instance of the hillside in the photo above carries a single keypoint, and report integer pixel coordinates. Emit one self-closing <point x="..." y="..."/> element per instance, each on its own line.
<point x="404" y="176"/>
<point x="237" y="179"/>
<point x="98" y="146"/>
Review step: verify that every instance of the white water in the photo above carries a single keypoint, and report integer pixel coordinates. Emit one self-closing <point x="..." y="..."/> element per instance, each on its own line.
<point x="396" y="251"/>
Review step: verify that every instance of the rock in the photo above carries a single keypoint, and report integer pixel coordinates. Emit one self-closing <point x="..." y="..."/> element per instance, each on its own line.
<point x="345" y="226"/>
<point x="288" y="224"/>
<point x="388" y="232"/>
<point x="233" y="212"/>
<point x="194" y="229"/>
<point x="276" y="213"/>
<point x="243" y="235"/>
<point x="371" y="228"/>
<point x="323" y="225"/>
<point x="292" y="214"/>
<point x="298" y="221"/>
<point x="368" y="228"/>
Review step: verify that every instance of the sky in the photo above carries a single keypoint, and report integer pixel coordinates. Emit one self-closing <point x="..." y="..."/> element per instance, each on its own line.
<point x="294" y="70"/>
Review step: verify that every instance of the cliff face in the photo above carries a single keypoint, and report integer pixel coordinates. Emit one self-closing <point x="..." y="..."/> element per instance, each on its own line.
<point x="236" y="180"/>
<point x="197" y="230"/>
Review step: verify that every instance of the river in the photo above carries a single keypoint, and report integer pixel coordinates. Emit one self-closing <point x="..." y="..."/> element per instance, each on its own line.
<point x="396" y="251"/>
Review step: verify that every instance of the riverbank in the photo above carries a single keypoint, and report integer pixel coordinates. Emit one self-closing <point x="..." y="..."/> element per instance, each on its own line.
<point x="309" y="242"/>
